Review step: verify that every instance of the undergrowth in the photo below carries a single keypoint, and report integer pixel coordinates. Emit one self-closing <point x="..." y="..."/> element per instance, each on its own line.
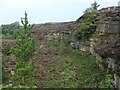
<point x="75" y="69"/>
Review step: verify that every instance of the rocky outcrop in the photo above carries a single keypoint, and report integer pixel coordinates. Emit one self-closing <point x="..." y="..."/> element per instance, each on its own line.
<point x="106" y="39"/>
<point x="105" y="42"/>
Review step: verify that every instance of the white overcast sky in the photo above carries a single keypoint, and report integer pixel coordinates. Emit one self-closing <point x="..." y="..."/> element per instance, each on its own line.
<point x="41" y="11"/>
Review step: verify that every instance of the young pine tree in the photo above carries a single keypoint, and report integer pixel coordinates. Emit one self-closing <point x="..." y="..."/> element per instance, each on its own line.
<point x="24" y="41"/>
<point x="23" y="53"/>
<point x="95" y="5"/>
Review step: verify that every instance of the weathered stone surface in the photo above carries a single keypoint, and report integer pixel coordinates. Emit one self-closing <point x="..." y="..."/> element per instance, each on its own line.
<point x="106" y="41"/>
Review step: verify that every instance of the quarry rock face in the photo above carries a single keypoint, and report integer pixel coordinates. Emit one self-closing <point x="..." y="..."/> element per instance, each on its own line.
<point x="106" y="40"/>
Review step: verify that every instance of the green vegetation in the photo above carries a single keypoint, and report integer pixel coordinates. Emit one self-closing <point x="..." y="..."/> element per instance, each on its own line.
<point x="7" y="49"/>
<point x="25" y="42"/>
<point x="11" y="87"/>
<point x="9" y="30"/>
<point x="107" y="82"/>
<point x="26" y="48"/>
<point x="56" y="63"/>
<point x="87" y="26"/>
<point x="88" y="23"/>
<point x="73" y="69"/>
<point x="70" y="69"/>
<point x="22" y="75"/>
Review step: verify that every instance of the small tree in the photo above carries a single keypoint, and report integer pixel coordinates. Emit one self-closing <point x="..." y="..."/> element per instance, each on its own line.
<point x="95" y="5"/>
<point x="24" y="41"/>
<point x="25" y="49"/>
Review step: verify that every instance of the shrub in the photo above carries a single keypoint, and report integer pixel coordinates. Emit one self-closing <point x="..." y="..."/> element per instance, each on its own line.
<point x="87" y="23"/>
<point x="87" y="26"/>
<point x="6" y="49"/>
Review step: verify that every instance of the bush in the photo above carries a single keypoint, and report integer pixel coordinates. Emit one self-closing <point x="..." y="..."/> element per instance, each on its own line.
<point x="88" y="22"/>
<point x="6" y="49"/>
<point x="87" y="26"/>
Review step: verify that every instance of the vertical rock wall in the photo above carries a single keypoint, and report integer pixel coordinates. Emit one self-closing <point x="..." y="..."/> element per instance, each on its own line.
<point x="105" y="42"/>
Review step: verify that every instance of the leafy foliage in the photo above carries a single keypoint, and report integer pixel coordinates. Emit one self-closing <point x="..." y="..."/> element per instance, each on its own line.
<point x="87" y="26"/>
<point x="88" y="23"/>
